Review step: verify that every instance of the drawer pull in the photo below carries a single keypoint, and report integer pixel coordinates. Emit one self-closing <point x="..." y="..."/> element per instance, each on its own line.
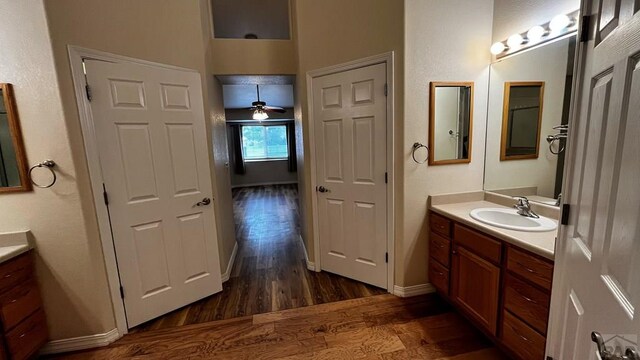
<point x="30" y="329"/>
<point x="526" y="268"/>
<point x="20" y="296"/>
<point x="520" y="335"/>
<point x="440" y="246"/>
<point x="439" y="273"/>
<point x="525" y="297"/>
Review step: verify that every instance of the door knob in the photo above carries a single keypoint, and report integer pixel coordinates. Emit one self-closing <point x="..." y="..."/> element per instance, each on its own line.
<point x="204" y="202"/>
<point x="323" y="189"/>
<point x="630" y="353"/>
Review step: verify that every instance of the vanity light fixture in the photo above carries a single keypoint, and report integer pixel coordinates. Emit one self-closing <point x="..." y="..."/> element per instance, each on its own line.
<point x="498" y="47"/>
<point x="515" y="41"/>
<point x="559" y="23"/>
<point x="560" y="26"/>
<point x="536" y="33"/>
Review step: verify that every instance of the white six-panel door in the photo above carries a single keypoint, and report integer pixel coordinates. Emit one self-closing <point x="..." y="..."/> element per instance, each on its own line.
<point x="150" y="128"/>
<point x="597" y="272"/>
<point x="349" y="114"/>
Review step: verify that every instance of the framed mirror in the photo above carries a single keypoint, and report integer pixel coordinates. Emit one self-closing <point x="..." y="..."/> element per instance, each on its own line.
<point x="450" y="122"/>
<point x="521" y="120"/>
<point x="539" y="178"/>
<point x="13" y="162"/>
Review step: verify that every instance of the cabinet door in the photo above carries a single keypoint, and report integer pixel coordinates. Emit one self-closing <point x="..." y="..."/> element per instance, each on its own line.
<point x="475" y="287"/>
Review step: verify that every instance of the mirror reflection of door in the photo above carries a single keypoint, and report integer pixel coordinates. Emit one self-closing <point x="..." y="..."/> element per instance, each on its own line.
<point x="13" y="176"/>
<point x="450" y="122"/>
<point x="522" y="116"/>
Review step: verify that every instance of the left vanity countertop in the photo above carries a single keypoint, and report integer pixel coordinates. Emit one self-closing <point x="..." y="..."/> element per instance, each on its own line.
<point x="13" y="244"/>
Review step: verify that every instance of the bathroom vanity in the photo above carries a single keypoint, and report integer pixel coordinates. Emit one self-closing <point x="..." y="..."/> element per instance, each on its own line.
<point x="499" y="279"/>
<point x="23" y="326"/>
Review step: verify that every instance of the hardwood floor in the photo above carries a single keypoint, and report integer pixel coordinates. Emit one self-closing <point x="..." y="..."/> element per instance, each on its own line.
<point x="269" y="273"/>
<point x="375" y="327"/>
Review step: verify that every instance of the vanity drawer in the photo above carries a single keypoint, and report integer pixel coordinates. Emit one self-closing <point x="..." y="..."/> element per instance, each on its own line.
<point x="439" y="248"/>
<point x="480" y="244"/>
<point x="25" y="339"/>
<point x="15" y="271"/>
<point x="532" y="268"/>
<point x="521" y="339"/>
<point x="440" y="225"/>
<point x="527" y="302"/>
<point x="439" y="276"/>
<point x="19" y="303"/>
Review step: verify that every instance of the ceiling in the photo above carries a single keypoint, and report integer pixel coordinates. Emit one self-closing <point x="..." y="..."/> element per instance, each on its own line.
<point x="241" y="96"/>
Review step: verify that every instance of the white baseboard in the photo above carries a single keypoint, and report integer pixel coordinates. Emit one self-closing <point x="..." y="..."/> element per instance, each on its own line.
<point x="80" y="343"/>
<point x="310" y="265"/>
<point x="232" y="259"/>
<point x="264" y="184"/>
<point x="413" y="290"/>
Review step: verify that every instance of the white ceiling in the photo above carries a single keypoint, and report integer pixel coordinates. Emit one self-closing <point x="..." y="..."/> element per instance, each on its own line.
<point x="241" y="96"/>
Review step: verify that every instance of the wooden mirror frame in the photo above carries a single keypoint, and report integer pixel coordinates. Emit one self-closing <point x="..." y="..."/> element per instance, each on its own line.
<point x="505" y="120"/>
<point x="432" y="121"/>
<point x="16" y="136"/>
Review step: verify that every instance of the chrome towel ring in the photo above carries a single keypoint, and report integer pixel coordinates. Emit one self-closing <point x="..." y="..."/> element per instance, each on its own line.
<point x="415" y="148"/>
<point x="562" y="135"/>
<point x="47" y="164"/>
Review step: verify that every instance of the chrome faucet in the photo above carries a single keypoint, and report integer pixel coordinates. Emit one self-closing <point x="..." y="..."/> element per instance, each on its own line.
<point x="559" y="200"/>
<point x="524" y="208"/>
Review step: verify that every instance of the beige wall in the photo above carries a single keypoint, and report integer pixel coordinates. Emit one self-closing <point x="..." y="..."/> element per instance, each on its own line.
<point x="263" y="57"/>
<point x="331" y="32"/>
<point x="445" y="41"/>
<point x="516" y="16"/>
<point x="62" y="219"/>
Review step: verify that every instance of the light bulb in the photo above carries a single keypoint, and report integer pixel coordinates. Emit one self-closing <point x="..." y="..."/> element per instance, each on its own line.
<point x="535" y="33"/>
<point x="497" y="48"/>
<point x="515" y="40"/>
<point x="260" y="114"/>
<point x="559" y="23"/>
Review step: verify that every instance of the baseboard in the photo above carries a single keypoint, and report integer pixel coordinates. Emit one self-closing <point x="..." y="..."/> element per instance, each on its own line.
<point x="80" y="343"/>
<point x="232" y="259"/>
<point x="413" y="290"/>
<point x="264" y="184"/>
<point x="310" y="265"/>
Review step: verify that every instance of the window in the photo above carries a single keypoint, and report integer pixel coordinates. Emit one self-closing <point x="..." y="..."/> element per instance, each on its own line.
<point x="264" y="142"/>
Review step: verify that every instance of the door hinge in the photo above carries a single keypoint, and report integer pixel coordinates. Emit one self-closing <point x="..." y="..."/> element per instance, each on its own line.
<point x="386" y="257"/>
<point x="87" y="90"/>
<point x="585" y="29"/>
<point x="121" y="292"/>
<point x="105" y="195"/>
<point x="566" y="209"/>
<point x="386" y="178"/>
<point x="386" y="89"/>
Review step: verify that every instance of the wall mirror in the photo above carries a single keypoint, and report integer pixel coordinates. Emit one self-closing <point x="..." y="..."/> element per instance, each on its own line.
<point x="450" y="122"/>
<point x="532" y="137"/>
<point x="13" y="164"/>
<point x="521" y="120"/>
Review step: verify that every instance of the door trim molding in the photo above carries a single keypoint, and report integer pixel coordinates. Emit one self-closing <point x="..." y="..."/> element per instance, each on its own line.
<point x="387" y="58"/>
<point x="232" y="259"/>
<point x="76" y="56"/>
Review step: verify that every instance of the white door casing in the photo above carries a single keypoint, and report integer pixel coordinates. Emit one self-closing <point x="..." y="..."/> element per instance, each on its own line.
<point x="597" y="277"/>
<point x="349" y="119"/>
<point x="150" y="129"/>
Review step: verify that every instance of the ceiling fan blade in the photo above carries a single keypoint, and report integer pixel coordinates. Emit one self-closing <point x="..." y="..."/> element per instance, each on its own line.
<point x="251" y="108"/>
<point x="275" y="109"/>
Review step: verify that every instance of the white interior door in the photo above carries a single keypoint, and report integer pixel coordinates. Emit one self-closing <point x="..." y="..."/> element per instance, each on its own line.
<point x="150" y="129"/>
<point x="597" y="277"/>
<point x="349" y="112"/>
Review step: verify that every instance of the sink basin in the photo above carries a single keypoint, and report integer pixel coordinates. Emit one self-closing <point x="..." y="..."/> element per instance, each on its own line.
<point x="510" y="219"/>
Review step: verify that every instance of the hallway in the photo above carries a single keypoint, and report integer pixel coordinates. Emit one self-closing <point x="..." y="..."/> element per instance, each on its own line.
<point x="269" y="273"/>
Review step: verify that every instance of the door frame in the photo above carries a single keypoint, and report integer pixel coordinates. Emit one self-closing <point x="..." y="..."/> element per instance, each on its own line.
<point x="388" y="59"/>
<point x="76" y="57"/>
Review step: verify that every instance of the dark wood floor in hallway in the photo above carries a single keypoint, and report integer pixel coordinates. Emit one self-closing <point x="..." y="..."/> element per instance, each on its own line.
<point x="269" y="273"/>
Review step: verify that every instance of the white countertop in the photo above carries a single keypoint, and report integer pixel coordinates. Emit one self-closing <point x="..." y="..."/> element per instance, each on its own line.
<point x="13" y="244"/>
<point x="540" y="243"/>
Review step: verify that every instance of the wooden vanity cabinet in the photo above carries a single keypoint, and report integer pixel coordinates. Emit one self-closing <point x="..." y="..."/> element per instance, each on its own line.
<point x="502" y="289"/>
<point x="23" y="326"/>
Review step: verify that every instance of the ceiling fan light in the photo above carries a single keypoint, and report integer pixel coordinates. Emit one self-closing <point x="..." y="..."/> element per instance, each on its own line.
<point x="259" y="114"/>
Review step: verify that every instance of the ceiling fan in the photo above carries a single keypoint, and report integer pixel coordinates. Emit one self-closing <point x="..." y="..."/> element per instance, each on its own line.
<point x="260" y="108"/>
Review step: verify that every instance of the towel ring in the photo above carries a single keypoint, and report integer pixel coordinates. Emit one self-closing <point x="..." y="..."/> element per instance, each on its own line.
<point x="415" y="147"/>
<point x="47" y="164"/>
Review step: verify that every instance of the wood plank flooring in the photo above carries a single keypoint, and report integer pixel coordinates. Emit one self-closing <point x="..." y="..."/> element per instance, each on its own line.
<point x="375" y="327"/>
<point x="269" y="273"/>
